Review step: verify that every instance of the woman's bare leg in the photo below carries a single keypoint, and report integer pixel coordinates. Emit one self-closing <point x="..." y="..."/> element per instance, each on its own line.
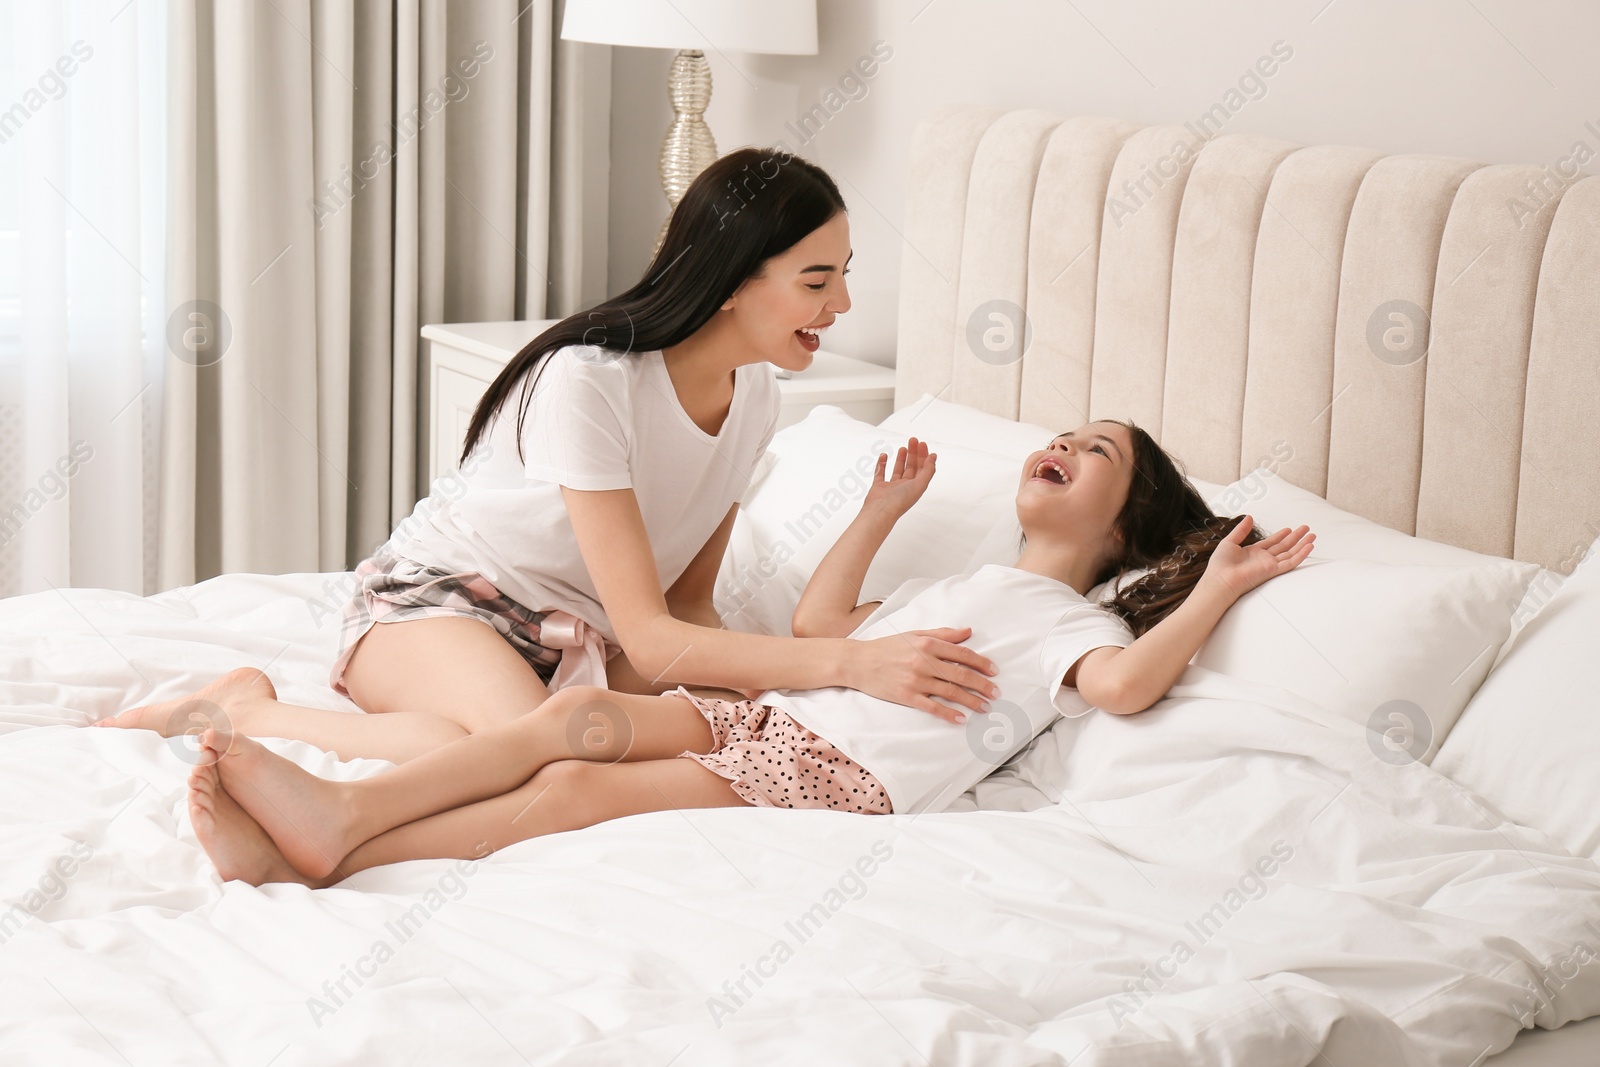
<point x="244" y="701"/>
<point x="424" y="683"/>
<point x="456" y="668"/>
<point x="316" y="822"/>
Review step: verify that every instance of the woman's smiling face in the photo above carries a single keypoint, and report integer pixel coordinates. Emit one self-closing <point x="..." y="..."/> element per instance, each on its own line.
<point x="780" y="314"/>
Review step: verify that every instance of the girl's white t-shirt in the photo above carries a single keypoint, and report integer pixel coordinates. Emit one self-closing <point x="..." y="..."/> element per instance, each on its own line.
<point x="1033" y="627"/>
<point x="598" y="419"/>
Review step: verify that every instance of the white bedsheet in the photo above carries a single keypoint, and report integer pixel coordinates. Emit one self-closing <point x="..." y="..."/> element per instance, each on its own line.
<point x="1407" y="925"/>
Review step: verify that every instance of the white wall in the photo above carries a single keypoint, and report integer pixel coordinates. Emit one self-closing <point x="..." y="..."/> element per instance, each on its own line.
<point x="1498" y="81"/>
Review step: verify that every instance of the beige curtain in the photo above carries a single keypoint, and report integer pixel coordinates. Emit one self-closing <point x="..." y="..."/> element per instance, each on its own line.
<point x="341" y="174"/>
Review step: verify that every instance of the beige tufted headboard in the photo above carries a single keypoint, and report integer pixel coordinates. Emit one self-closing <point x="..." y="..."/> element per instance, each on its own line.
<point x="1422" y="333"/>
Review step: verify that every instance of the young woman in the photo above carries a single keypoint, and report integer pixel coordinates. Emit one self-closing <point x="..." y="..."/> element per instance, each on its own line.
<point x="602" y="472"/>
<point x="1096" y="501"/>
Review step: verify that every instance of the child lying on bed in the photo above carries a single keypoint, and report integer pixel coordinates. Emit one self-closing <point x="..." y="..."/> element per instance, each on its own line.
<point x="1095" y="502"/>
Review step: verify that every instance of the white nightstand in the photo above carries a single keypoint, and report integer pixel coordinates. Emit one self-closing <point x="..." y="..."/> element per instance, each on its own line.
<point x="462" y="358"/>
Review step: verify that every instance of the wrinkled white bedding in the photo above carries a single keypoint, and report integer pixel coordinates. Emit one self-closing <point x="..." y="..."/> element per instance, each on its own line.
<point x="1116" y="914"/>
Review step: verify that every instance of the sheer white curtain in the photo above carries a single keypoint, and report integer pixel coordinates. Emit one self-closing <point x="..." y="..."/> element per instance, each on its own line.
<point x="222" y="223"/>
<point x="82" y="341"/>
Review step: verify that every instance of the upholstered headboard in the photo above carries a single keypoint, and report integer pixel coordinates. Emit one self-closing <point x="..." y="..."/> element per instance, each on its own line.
<point x="1421" y="334"/>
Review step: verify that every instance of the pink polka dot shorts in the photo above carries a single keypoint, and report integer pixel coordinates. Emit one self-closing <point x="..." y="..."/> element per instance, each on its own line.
<point x="772" y="761"/>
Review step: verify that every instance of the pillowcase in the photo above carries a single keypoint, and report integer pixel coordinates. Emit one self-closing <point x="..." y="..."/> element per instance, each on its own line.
<point x="1276" y="503"/>
<point x="812" y="491"/>
<point x="1383" y="617"/>
<point x="1399" y="648"/>
<point x="1520" y="737"/>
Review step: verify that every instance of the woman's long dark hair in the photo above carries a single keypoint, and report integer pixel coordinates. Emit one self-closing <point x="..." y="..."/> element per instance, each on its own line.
<point x="745" y="208"/>
<point x="1167" y="527"/>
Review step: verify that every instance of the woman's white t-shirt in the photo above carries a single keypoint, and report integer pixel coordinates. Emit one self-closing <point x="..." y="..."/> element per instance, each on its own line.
<point x="1033" y="627"/>
<point x="597" y="420"/>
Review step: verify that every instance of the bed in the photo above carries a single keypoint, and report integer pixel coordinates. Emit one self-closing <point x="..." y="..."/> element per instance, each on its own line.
<point x="1271" y="867"/>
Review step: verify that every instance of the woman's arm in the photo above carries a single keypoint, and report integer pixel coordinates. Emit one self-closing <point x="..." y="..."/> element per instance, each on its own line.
<point x="907" y="669"/>
<point x="691" y="599"/>
<point x="1128" y="680"/>
<point x="828" y="607"/>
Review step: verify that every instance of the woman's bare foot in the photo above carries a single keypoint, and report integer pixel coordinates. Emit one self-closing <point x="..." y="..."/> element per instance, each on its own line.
<point x="308" y="818"/>
<point x="207" y="707"/>
<point x="239" y="848"/>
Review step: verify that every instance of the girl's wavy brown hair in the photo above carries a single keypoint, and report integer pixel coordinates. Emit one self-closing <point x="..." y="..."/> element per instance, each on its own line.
<point x="1167" y="527"/>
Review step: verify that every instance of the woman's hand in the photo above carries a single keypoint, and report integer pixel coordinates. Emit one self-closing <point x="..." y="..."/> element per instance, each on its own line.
<point x="913" y="470"/>
<point x="914" y="667"/>
<point x="1239" y="568"/>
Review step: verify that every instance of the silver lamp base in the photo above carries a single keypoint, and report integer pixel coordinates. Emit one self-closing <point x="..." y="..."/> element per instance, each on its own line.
<point x="688" y="147"/>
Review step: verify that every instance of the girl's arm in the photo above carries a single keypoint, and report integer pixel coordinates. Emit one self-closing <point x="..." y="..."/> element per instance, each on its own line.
<point x="828" y="607"/>
<point x="1128" y="680"/>
<point x="907" y="669"/>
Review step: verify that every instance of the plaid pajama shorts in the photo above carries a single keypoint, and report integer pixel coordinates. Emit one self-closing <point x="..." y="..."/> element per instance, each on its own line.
<point x="396" y="589"/>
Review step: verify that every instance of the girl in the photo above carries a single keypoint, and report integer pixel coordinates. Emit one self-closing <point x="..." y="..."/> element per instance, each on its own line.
<point x="602" y="471"/>
<point x="1094" y="502"/>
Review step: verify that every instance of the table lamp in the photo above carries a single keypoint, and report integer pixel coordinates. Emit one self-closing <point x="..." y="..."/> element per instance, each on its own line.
<point x="785" y="27"/>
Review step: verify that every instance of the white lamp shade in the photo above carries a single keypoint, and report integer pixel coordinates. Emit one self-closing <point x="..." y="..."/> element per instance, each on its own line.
<point x="786" y="27"/>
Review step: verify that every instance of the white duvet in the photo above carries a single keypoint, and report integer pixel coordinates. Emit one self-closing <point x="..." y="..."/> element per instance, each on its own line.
<point x="1220" y="880"/>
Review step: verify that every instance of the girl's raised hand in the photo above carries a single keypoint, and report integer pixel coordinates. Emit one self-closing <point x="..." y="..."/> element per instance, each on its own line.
<point x="1239" y="567"/>
<point x="913" y="470"/>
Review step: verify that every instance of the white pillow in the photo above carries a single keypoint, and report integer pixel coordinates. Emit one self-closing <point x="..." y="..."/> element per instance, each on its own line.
<point x="1276" y="503"/>
<point x="941" y="422"/>
<point x="812" y="491"/>
<point x="1399" y="648"/>
<point x="1529" y="739"/>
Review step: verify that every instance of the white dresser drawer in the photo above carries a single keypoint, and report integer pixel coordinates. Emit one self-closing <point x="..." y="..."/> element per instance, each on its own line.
<point x="455" y="398"/>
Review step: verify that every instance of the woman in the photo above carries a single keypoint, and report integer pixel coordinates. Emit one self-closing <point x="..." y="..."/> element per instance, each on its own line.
<point x="605" y="465"/>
